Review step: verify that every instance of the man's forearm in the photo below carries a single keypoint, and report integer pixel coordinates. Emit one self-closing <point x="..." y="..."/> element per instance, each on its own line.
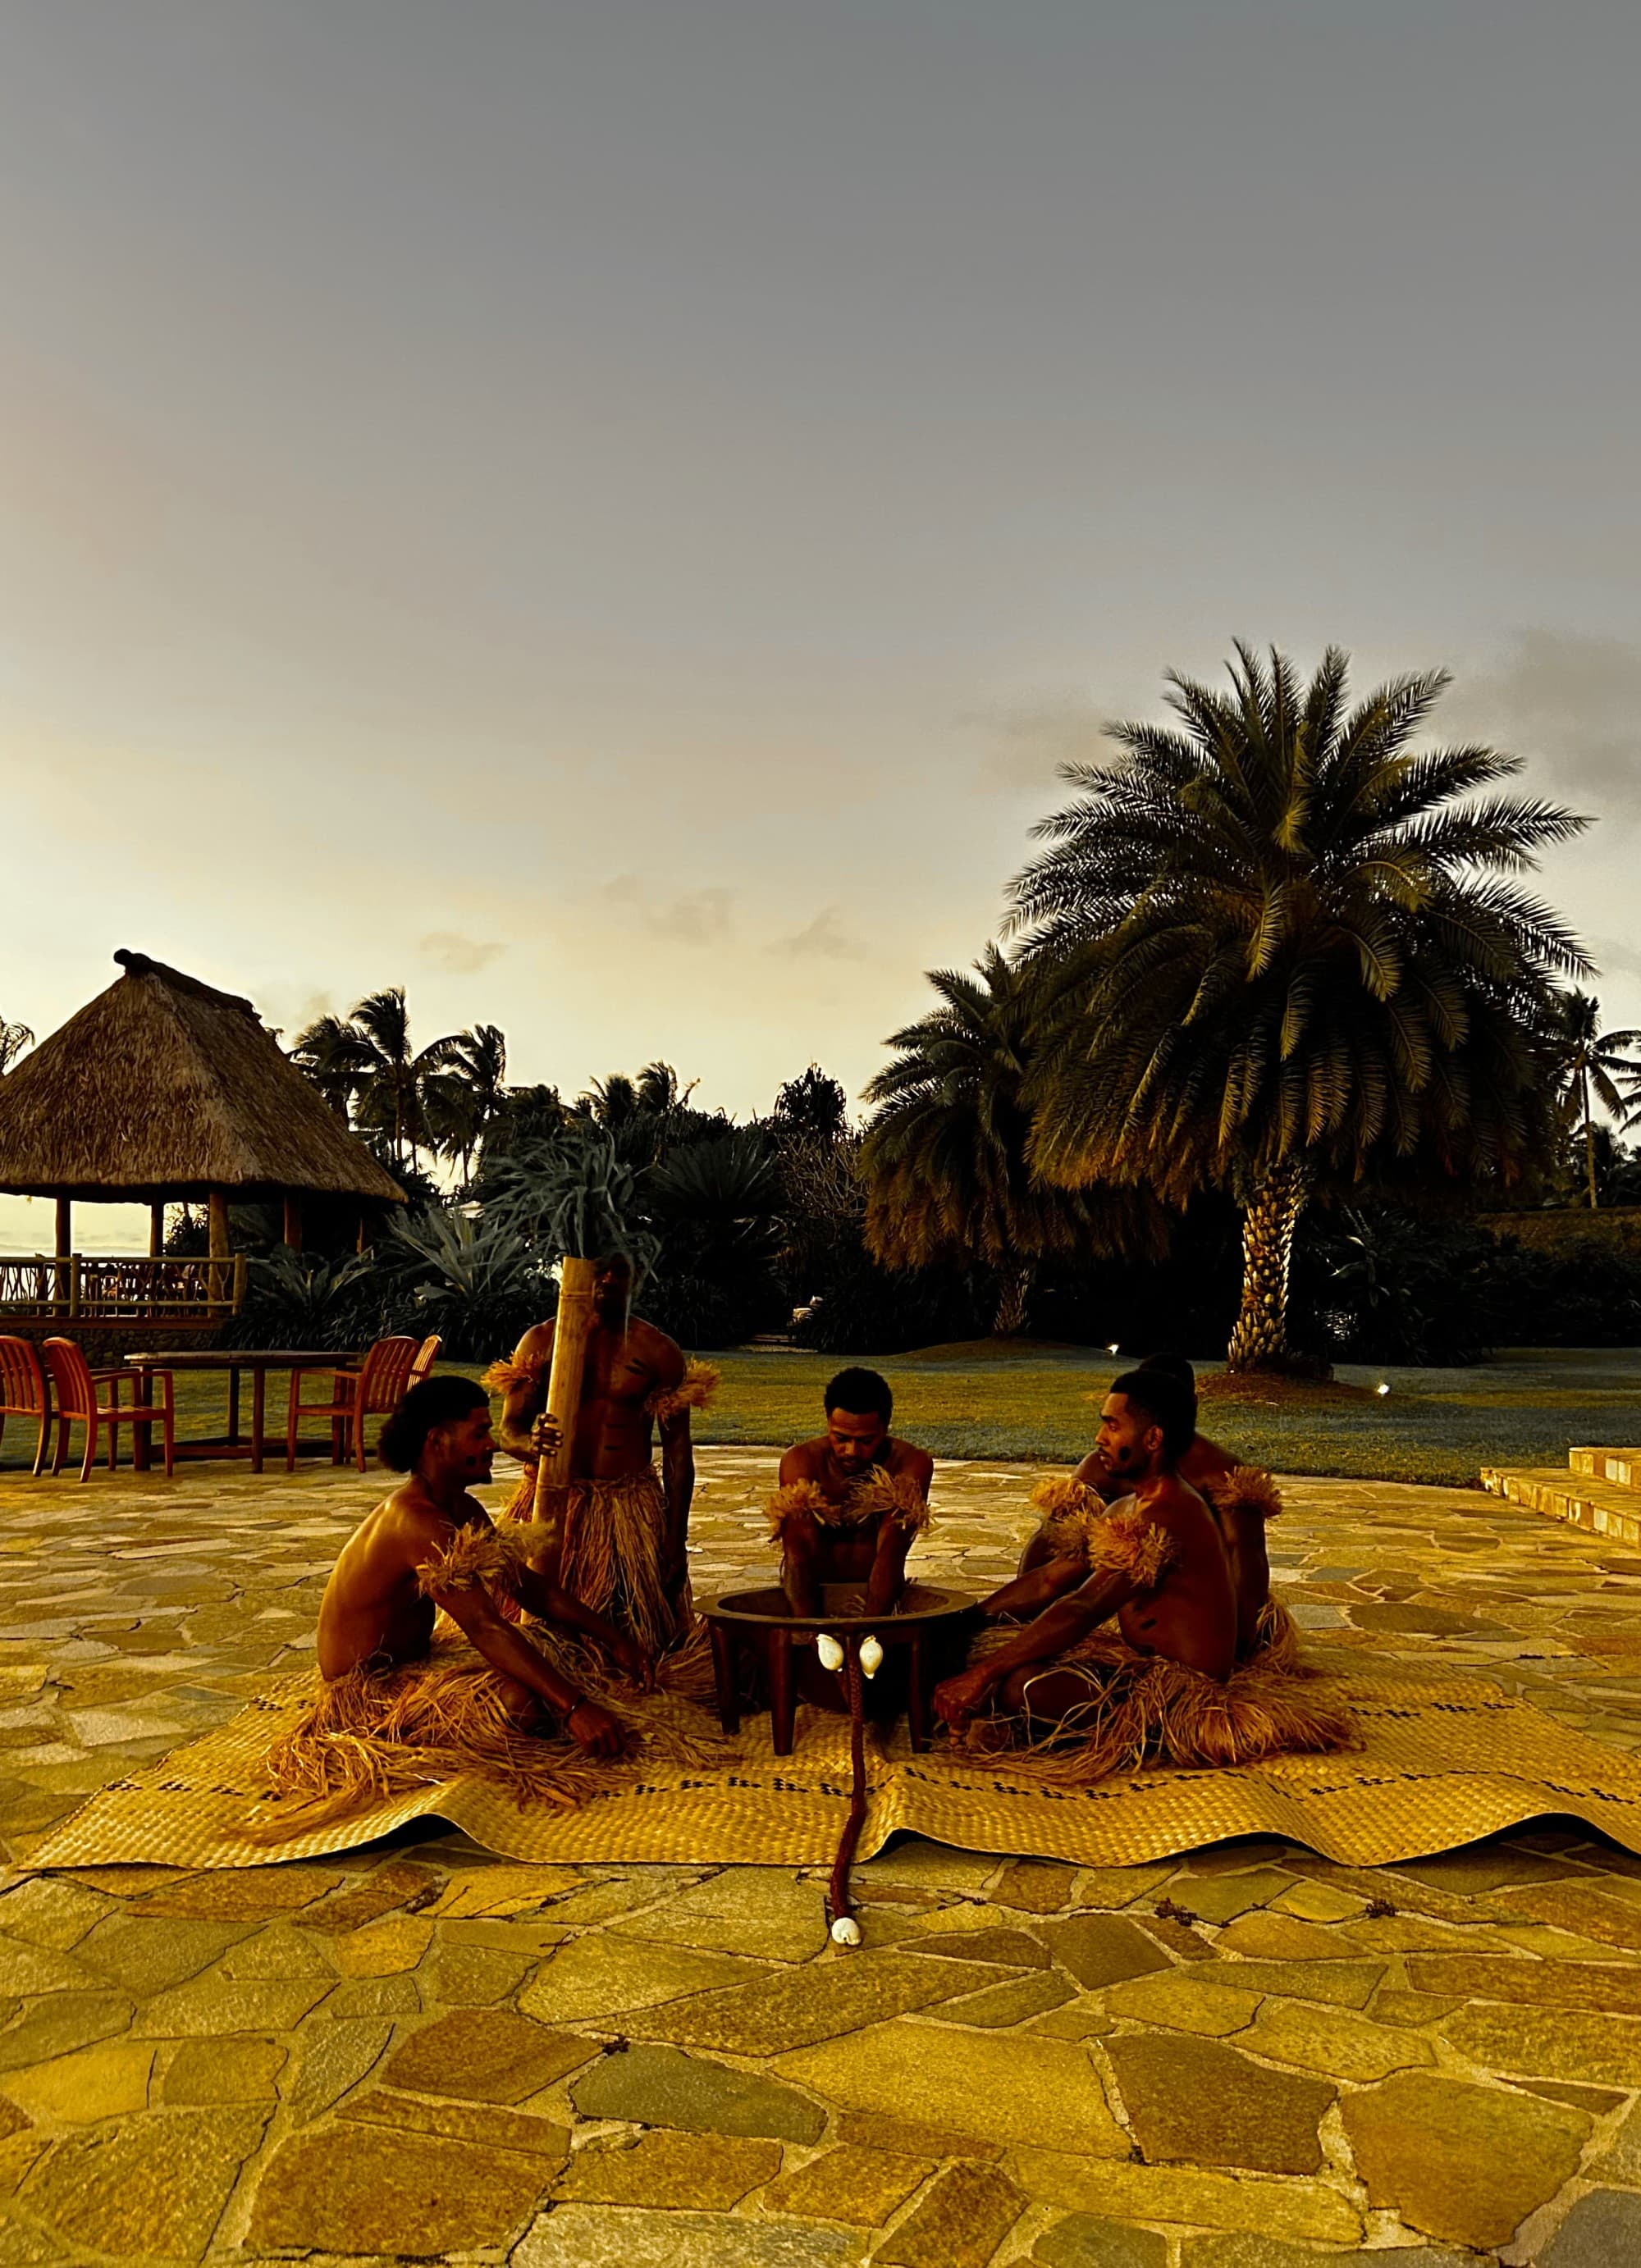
<point x="514" y="1656"/>
<point x="1036" y="1590"/>
<point x="1060" y="1626"/>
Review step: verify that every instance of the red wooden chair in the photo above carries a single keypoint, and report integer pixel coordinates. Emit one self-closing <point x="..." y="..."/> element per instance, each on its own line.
<point x="426" y="1355"/>
<point x="74" y="1385"/>
<point x="376" y="1387"/>
<point x="24" y="1392"/>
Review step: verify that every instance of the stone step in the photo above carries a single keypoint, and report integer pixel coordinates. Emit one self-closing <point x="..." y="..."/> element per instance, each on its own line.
<point x="1621" y="1467"/>
<point x="1603" y="1507"/>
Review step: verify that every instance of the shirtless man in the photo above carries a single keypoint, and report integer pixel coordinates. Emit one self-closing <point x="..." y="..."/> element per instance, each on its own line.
<point x="862" y="1541"/>
<point x="384" y="1593"/>
<point x="624" y="1532"/>
<point x="1204" y="1467"/>
<point x="1185" y="1610"/>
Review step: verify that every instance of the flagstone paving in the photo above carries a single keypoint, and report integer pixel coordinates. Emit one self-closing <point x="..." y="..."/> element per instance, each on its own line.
<point x="422" y="2051"/>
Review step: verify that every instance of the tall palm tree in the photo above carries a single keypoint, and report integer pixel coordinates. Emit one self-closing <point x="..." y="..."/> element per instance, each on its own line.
<point x="1591" y="1063"/>
<point x="392" y="1098"/>
<point x="1282" y="949"/>
<point x="465" y="1095"/>
<point x="945" y="1158"/>
<point x="332" y="1055"/>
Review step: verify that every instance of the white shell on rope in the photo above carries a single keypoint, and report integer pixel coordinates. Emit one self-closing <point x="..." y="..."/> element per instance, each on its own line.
<point x="871" y="1657"/>
<point x="829" y="1650"/>
<point x="845" y="1929"/>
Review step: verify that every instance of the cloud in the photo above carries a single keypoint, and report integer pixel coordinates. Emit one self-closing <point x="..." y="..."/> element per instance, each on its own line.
<point x="1615" y="960"/>
<point x="458" y="956"/>
<point x="1571" y="703"/>
<point x="694" y="918"/>
<point x="824" y="938"/>
<point x="1031" y="744"/>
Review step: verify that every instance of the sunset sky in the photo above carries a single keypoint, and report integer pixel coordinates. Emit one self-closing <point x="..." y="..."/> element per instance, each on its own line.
<point x="608" y="515"/>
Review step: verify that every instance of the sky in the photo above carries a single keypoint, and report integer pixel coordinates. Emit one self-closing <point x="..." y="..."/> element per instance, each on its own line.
<point x="609" y="515"/>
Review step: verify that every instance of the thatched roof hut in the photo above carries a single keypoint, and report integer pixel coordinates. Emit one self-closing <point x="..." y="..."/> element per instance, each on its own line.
<point x="163" y="1088"/>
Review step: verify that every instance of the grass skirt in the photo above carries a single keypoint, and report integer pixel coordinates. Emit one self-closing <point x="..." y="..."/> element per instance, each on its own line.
<point x="373" y="1734"/>
<point x="1142" y="1708"/>
<point x="614" y="1533"/>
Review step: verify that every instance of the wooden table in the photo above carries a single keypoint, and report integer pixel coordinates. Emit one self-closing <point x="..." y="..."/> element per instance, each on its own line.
<point x="258" y="1360"/>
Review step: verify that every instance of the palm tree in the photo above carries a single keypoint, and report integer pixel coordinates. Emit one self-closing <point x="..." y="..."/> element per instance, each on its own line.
<point x="332" y="1055"/>
<point x="1281" y="949"/>
<point x="467" y="1094"/>
<point x="13" y="1039"/>
<point x="1591" y="1063"/>
<point x="944" y="1159"/>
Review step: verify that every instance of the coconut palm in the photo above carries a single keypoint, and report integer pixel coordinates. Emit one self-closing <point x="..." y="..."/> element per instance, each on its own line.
<point x="333" y="1055"/>
<point x="1591" y="1063"/>
<point x="1280" y="948"/>
<point x="13" y="1039"/>
<point x="464" y="1096"/>
<point x="945" y="1158"/>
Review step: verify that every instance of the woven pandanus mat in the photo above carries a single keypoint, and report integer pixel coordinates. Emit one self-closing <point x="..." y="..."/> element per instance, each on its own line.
<point x="1439" y="1764"/>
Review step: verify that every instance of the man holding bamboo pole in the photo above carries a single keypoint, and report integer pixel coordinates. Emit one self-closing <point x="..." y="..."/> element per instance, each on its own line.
<point x="611" y="1531"/>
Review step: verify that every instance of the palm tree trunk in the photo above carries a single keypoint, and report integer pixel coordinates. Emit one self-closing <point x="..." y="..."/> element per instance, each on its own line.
<point x="1014" y="1292"/>
<point x="1260" y="1340"/>
<point x="1589" y="1142"/>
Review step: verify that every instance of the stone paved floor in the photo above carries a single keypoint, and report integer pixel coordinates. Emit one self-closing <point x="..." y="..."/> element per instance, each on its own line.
<point x="1249" y="2059"/>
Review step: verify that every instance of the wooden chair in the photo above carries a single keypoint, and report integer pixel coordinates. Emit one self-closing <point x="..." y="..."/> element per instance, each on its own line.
<point x="74" y="1385"/>
<point x="24" y="1392"/>
<point x="377" y="1386"/>
<point x="426" y="1355"/>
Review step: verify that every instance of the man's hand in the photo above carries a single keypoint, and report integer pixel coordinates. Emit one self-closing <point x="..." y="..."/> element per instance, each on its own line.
<point x="594" y="1730"/>
<point x="958" y="1698"/>
<point x="545" y="1435"/>
<point x="630" y="1659"/>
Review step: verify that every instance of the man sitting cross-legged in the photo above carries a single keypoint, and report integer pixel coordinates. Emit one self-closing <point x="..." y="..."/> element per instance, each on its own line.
<point x="1166" y="1683"/>
<point x="402" y="1703"/>
<point x="1241" y="1497"/>
<point x="850" y="1502"/>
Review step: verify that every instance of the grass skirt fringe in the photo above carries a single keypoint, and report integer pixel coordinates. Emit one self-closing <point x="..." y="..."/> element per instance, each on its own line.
<point x="375" y="1734"/>
<point x="1144" y="1709"/>
<point x="613" y="1537"/>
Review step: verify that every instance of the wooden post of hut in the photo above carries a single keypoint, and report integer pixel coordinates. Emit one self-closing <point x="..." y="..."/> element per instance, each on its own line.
<point x="64" y="1249"/>
<point x="156" y="1252"/>
<point x="218" y="1244"/>
<point x="293" y="1221"/>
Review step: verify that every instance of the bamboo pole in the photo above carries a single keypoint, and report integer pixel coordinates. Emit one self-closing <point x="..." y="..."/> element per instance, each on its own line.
<point x="571" y="1329"/>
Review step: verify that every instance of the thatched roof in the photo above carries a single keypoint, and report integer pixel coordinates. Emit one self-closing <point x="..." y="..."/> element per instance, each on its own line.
<point x="163" y="1087"/>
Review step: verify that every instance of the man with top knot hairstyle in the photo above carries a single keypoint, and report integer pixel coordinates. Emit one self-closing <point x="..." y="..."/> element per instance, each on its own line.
<point x="1089" y="1700"/>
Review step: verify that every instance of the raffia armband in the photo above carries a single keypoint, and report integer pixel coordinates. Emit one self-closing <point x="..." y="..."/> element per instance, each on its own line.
<point x="1071" y="1510"/>
<point x="503" y="1377"/>
<point x="898" y="1494"/>
<point x="1128" y="1543"/>
<point x="1245" y="1487"/>
<point x="475" y="1557"/>
<point x="693" y="1391"/>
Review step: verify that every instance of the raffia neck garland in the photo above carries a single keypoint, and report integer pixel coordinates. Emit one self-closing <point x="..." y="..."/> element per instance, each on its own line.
<point x="1078" y="1526"/>
<point x="880" y="1492"/>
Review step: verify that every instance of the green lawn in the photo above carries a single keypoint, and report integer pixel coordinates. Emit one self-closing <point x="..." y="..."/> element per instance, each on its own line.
<point x="1525" y="1407"/>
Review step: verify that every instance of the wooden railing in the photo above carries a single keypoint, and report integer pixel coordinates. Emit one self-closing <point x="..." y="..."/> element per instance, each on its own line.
<point x="116" y="1288"/>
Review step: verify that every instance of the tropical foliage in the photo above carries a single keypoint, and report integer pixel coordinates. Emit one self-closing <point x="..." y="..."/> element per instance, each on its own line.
<point x="14" y="1038"/>
<point x="1281" y="952"/>
<point x="1590" y="1063"/>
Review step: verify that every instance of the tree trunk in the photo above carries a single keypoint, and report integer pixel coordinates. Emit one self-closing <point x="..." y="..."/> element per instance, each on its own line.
<point x="1014" y="1292"/>
<point x="1260" y="1340"/>
<point x="1589" y="1148"/>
